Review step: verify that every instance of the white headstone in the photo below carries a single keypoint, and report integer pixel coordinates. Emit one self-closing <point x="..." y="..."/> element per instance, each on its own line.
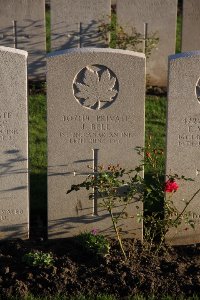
<point x="75" y="23"/>
<point x="183" y="139"/>
<point x="95" y="117"/>
<point x="14" y="187"/>
<point x="22" y="26"/>
<point x="190" y="25"/>
<point x="160" y="16"/>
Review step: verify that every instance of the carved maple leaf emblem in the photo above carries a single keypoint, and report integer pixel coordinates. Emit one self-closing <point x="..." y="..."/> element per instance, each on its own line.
<point x="198" y="91"/>
<point x="97" y="89"/>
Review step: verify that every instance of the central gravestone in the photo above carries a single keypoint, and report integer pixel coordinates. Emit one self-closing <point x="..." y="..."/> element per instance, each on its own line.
<point x="14" y="187"/>
<point x="75" y="23"/>
<point x="95" y="117"/>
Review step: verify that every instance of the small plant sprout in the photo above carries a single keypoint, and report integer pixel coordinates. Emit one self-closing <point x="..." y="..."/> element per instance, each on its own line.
<point x="38" y="258"/>
<point x="93" y="242"/>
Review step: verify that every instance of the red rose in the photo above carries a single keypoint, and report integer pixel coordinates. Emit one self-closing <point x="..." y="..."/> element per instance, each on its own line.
<point x="171" y="186"/>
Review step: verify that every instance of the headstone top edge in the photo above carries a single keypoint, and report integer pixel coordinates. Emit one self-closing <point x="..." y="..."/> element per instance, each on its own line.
<point x="184" y="55"/>
<point x="95" y="50"/>
<point x="13" y="50"/>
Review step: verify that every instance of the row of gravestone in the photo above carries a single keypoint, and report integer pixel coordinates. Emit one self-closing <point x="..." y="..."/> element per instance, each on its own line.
<point x="95" y="116"/>
<point x="75" y="23"/>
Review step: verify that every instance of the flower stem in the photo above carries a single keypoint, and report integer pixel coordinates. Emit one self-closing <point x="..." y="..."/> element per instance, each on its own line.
<point x="117" y="232"/>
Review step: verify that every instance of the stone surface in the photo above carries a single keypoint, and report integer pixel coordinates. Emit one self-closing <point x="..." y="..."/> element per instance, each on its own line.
<point x="190" y="25"/>
<point x="22" y="26"/>
<point x="75" y="23"/>
<point x="183" y="138"/>
<point x="161" y="18"/>
<point x="95" y="117"/>
<point x="14" y="187"/>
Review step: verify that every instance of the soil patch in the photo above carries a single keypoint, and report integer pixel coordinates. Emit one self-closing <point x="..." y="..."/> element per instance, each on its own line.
<point x="174" y="271"/>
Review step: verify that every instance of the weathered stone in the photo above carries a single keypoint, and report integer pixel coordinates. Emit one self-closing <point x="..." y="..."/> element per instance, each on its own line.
<point x="190" y="27"/>
<point x="22" y="26"/>
<point x="183" y="139"/>
<point x="95" y="117"/>
<point x="75" y="23"/>
<point x="14" y="188"/>
<point x="161" y="19"/>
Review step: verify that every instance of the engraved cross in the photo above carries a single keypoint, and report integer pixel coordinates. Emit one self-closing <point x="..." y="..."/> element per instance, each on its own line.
<point x="11" y="35"/>
<point x="95" y="174"/>
<point x="85" y="33"/>
<point x="16" y="34"/>
<point x="76" y="37"/>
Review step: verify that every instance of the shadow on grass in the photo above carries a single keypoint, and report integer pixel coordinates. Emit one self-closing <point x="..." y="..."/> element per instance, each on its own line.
<point x="153" y="208"/>
<point x="38" y="205"/>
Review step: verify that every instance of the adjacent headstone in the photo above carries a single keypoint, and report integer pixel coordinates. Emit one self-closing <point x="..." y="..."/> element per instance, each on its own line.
<point x="95" y="117"/>
<point x="183" y="139"/>
<point x="22" y="26"/>
<point x="160" y="17"/>
<point x="75" y="23"/>
<point x="14" y="187"/>
<point x="190" y="25"/>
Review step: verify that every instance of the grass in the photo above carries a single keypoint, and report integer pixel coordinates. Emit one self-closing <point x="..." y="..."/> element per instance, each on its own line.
<point x="178" y="34"/>
<point x="48" y="30"/>
<point x="37" y="132"/>
<point x="155" y="117"/>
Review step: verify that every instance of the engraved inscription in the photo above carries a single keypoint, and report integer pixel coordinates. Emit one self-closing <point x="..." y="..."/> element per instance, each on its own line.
<point x="5" y="115"/>
<point x="98" y="129"/>
<point x="195" y="217"/>
<point x="7" y="133"/>
<point x="5" y="214"/>
<point x="95" y="87"/>
<point x="191" y="132"/>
